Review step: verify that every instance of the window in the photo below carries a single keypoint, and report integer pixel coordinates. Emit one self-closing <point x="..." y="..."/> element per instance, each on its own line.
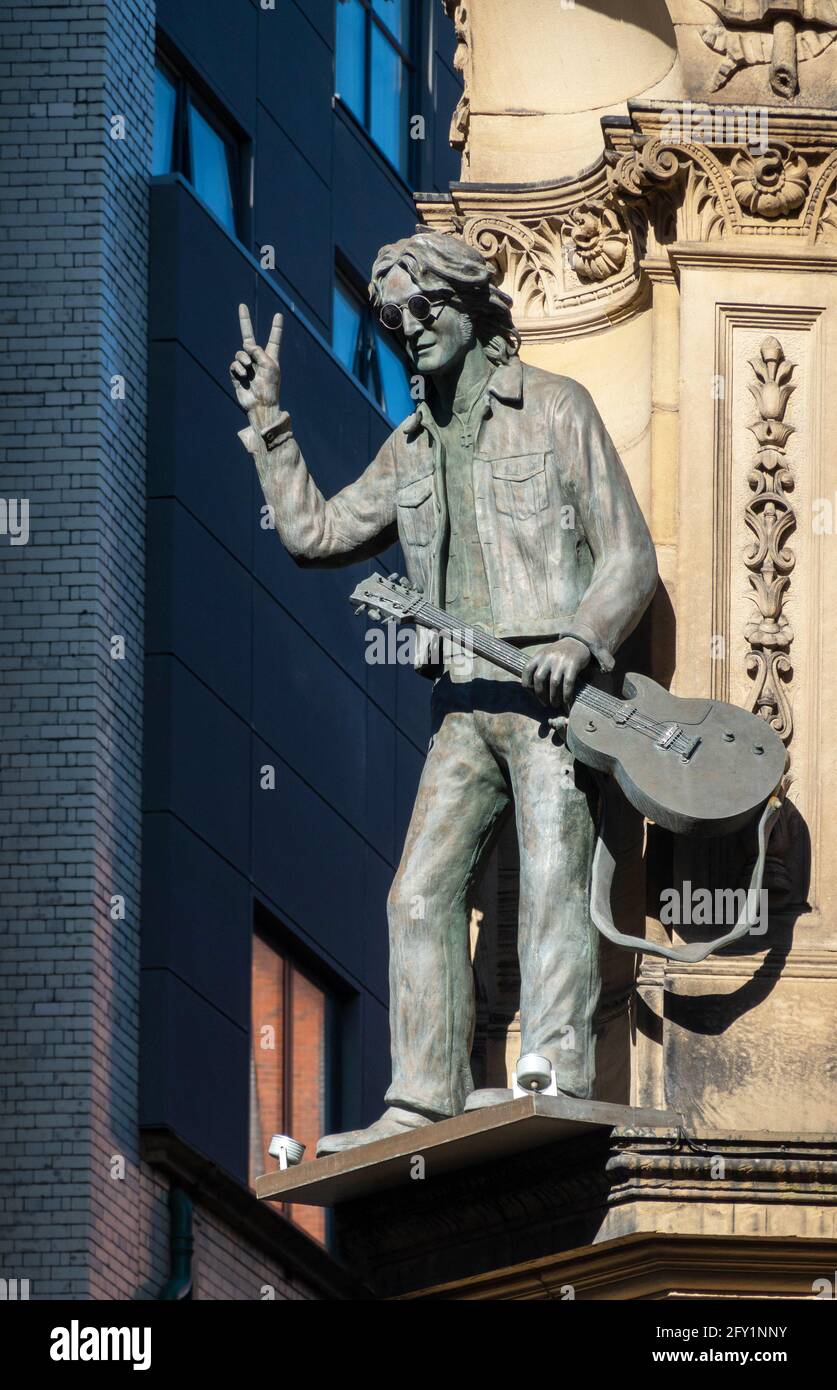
<point x="190" y="138"/>
<point x="361" y="345"/>
<point x="289" y="1064"/>
<point x="375" y="71"/>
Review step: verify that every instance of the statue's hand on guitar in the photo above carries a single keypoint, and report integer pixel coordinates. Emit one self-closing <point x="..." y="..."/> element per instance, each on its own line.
<point x="553" y="671"/>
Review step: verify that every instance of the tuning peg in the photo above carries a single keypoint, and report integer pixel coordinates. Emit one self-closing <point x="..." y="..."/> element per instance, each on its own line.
<point x="404" y="582"/>
<point x="360" y="609"/>
<point x="375" y="614"/>
<point x="394" y="578"/>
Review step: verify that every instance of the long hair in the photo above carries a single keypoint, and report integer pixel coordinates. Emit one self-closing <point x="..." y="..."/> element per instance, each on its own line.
<point x="437" y="259"/>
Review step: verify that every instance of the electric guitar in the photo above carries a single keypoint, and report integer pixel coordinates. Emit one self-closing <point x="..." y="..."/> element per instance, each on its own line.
<point x="700" y="767"/>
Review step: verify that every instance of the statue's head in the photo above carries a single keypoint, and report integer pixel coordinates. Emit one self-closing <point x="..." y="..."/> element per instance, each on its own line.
<point x="435" y="293"/>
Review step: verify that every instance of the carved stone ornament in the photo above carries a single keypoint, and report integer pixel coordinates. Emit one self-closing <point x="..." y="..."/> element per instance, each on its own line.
<point x="724" y="172"/>
<point x="457" y="11"/>
<point x="771" y="519"/>
<point x="565" y="253"/>
<point x="597" y="245"/>
<point x="772" y="182"/>
<point x="783" y="33"/>
<point x="571" y="253"/>
<point x="646" y="167"/>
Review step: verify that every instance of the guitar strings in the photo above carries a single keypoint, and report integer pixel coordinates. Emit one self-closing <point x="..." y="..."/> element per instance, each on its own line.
<point x="637" y="721"/>
<point x="599" y="700"/>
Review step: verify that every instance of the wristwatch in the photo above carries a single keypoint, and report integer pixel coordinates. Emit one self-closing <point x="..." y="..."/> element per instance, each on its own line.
<point x="277" y="432"/>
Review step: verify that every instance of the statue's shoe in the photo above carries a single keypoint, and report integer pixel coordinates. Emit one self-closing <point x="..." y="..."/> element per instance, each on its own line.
<point x="394" y="1121"/>
<point x="491" y="1095"/>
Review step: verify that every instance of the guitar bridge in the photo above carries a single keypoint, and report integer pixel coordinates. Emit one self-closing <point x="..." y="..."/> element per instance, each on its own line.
<point x="674" y="738"/>
<point x="668" y="736"/>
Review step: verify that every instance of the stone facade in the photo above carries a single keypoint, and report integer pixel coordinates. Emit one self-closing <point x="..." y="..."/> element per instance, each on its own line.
<point x="677" y="254"/>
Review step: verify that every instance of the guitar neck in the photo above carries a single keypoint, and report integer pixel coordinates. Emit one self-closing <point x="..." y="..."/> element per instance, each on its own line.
<point x="507" y="657"/>
<point x="474" y="639"/>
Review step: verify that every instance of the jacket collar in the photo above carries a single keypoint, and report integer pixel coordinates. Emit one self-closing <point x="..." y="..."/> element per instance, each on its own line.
<point x="505" y="382"/>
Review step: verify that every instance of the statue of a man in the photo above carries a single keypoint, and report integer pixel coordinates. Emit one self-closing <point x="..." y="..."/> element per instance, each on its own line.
<point x="515" y="513"/>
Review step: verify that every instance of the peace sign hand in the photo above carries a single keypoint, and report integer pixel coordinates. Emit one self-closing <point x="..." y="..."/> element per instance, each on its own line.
<point x="255" y="371"/>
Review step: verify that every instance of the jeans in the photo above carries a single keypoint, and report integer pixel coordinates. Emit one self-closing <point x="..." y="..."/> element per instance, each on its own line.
<point x="491" y="744"/>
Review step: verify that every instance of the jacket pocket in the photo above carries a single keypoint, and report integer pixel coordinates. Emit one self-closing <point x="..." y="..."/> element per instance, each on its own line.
<point x="415" y="511"/>
<point x="520" y="484"/>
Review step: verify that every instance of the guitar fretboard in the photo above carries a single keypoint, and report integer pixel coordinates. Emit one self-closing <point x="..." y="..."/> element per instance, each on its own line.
<point x="475" y="639"/>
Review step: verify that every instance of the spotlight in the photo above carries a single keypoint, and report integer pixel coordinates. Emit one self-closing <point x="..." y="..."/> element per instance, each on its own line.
<point x="534" y="1075"/>
<point x="288" y="1151"/>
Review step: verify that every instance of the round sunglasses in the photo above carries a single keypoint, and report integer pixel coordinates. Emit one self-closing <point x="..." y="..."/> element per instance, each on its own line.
<point x="421" y="306"/>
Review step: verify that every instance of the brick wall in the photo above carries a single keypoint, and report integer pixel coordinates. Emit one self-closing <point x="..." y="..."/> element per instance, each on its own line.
<point x="74" y="216"/>
<point x="225" y="1268"/>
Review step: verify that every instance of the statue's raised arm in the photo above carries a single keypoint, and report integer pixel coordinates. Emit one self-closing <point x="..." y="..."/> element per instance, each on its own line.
<point x="359" y="521"/>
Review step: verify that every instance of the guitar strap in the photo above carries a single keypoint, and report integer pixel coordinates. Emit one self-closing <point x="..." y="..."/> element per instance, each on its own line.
<point x="603" y="870"/>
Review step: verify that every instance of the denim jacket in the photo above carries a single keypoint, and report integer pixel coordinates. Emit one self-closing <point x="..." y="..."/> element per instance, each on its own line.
<point x="565" y="545"/>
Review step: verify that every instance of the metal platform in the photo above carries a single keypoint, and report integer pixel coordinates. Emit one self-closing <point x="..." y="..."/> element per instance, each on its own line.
<point x="480" y="1136"/>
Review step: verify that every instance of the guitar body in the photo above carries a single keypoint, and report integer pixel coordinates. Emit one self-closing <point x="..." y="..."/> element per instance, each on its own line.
<point x="715" y="774"/>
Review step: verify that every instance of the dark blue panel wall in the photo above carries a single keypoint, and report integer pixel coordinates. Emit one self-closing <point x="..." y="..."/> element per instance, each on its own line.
<point x="293" y="215"/>
<point x="250" y="660"/>
<point x="295" y="85"/>
<point x="219" y="39"/>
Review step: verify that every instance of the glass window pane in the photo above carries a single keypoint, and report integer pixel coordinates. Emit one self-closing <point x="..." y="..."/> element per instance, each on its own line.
<point x="308" y="1083"/>
<point x="165" y="105"/>
<point x="351" y="55"/>
<point x="389" y="89"/>
<point x="396" y="16"/>
<point x="210" y="168"/>
<point x="347" y="318"/>
<point x="395" y="382"/>
<point x="267" y="1061"/>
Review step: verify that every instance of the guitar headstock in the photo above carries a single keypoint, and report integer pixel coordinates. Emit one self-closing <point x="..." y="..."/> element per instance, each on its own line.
<point x="393" y="597"/>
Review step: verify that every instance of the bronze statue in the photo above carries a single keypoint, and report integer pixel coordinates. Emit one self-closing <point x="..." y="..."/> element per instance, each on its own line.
<point x="515" y="513"/>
